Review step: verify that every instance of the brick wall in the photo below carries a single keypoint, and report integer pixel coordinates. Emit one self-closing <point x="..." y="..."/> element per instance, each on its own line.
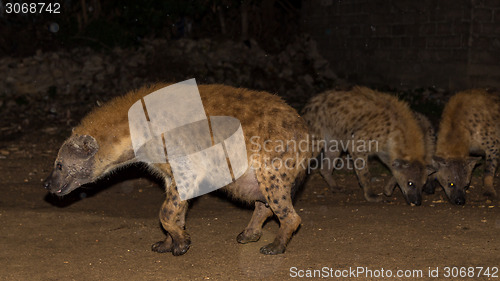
<point x="453" y="44"/>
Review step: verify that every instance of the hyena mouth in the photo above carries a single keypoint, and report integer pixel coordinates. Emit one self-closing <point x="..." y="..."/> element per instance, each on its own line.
<point x="63" y="189"/>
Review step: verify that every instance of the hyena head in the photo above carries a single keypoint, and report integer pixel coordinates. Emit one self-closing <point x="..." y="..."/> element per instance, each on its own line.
<point x="411" y="177"/>
<point x="454" y="175"/>
<point x="74" y="165"/>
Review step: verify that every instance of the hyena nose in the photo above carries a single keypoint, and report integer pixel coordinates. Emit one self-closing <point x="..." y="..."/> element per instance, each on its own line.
<point x="418" y="202"/>
<point x="46" y="184"/>
<point x="460" y="201"/>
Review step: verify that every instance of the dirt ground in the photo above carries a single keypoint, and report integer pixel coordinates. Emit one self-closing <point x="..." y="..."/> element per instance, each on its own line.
<point x="105" y="232"/>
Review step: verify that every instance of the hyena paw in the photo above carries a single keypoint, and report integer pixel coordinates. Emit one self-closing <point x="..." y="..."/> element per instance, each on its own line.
<point x="179" y="249"/>
<point x="373" y="198"/>
<point x="162" y="246"/>
<point x="273" y="249"/>
<point x="245" y="237"/>
<point x="388" y="192"/>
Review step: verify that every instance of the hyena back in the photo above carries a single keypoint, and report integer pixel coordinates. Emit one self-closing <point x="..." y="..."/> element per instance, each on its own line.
<point x="470" y="125"/>
<point x="102" y="143"/>
<point x="362" y="115"/>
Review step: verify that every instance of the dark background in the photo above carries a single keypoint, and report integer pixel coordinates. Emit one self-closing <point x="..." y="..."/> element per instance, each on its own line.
<point x="93" y="50"/>
<point x="55" y="68"/>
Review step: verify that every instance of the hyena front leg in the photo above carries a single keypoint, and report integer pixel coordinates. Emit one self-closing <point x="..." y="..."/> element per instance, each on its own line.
<point x="390" y="186"/>
<point x="328" y="161"/>
<point x="430" y="185"/>
<point x="363" y="174"/>
<point x="173" y="218"/>
<point x="253" y="231"/>
<point x="278" y="196"/>
<point x="489" y="172"/>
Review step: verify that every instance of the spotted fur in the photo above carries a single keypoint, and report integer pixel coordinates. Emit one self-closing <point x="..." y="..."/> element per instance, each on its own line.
<point x="364" y="115"/>
<point x="470" y="125"/>
<point x="104" y="137"/>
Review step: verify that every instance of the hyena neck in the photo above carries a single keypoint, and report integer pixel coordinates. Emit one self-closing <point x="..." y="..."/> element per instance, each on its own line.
<point x="452" y="142"/>
<point x="454" y="149"/>
<point x="115" y="147"/>
<point x="108" y="163"/>
<point x="109" y="125"/>
<point x="408" y="146"/>
<point x="113" y="155"/>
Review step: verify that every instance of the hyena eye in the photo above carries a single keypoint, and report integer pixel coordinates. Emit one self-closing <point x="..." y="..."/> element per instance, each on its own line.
<point x="410" y="184"/>
<point x="59" y="166"/>
<point x="451" y="185"/>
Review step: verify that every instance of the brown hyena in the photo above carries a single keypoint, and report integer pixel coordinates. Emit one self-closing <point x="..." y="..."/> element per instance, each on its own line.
<point x="470" y="125"/>
<point x="367" y="123"/>
<point x="102" y="143"/>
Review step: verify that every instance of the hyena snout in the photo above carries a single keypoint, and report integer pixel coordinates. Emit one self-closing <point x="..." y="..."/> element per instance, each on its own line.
<point x="460" y="201"/>
<point x="455" y="195"/>
<point x="59" y="185"/>
<point x="49" y="182"/>
<point x="458" y="198"/>
<point x="415" y="199"/>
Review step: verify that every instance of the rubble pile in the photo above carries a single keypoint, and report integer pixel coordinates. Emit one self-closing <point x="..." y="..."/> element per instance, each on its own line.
<point x="62" y="86"/>
<point x="298" y="71"/>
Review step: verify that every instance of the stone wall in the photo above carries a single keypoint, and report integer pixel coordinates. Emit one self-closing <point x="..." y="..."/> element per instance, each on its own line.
<point x="452" y="44"/>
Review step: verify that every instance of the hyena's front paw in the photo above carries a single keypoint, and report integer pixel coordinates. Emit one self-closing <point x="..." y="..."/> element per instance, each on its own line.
<point x="388" y="191"/>
<point x="370" y="197"/>
<point x="273" y="249"/>
<point x="181" y="248"/>
<point x="162" y="246"/>
<point x="168" y="245"/>
<point x="247" y="237"/>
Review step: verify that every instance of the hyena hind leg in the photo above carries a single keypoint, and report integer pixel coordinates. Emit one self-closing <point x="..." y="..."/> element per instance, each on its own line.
<point x="253" y="231"/>
<point x="328" y="162"/>
<point x="172" y="217"/>
<point x="279" y="199"/>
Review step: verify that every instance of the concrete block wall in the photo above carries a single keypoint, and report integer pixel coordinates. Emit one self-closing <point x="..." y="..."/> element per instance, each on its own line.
<point x="453" y="44"/>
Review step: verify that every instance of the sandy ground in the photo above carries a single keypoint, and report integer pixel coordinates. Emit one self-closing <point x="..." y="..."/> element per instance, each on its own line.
<point x="105" y="233"/>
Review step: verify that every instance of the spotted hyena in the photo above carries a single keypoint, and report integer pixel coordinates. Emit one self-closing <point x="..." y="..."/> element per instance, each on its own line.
<point x="470" y="125"/>
<point x="102" y="143"/>
<point x="367" y="123"/>
<point x="430" y="148"/>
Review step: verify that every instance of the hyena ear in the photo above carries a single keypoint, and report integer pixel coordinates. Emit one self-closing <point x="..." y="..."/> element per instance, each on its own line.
<point x="400" y="164"/>
<point x="84" y="146"/>
<point x="431" y="169"/>
<point x="472" y="162"/>
<point x="438" y="162"/>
